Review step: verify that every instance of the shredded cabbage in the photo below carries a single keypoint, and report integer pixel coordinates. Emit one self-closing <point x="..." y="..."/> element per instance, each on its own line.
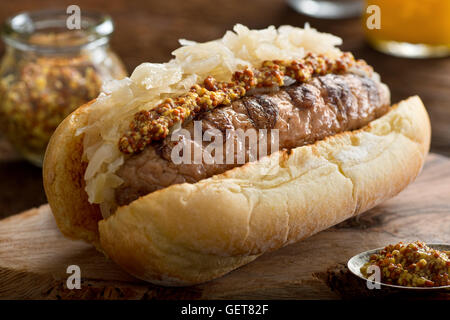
<point x="150" y="83"/>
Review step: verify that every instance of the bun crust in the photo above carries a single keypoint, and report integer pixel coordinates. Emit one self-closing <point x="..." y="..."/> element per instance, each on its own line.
<point x="191" y="233"/>
<point x="63" y="174"/>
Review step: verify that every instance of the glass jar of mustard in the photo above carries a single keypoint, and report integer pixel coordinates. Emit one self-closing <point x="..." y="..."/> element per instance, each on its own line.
<point x="48" y="71"/>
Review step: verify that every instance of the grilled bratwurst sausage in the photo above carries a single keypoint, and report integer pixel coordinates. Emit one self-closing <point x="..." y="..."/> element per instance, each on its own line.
<point x="302" y="113"/>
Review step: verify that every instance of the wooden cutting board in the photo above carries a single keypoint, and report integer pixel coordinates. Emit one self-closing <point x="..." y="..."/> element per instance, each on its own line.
<point x="34" y="256"/>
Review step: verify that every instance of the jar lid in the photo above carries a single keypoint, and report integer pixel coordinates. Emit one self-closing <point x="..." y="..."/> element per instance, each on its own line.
<point x="47" y="31"/>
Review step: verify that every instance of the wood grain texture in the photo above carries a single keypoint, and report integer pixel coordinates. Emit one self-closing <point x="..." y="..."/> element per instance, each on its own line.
<point x="148" y="30"/>
<point x="34" y="255"/>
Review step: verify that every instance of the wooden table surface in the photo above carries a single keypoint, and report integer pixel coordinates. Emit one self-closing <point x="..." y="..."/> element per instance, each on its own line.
<point x="34" y="255"/>
<point x="148" y="31"/>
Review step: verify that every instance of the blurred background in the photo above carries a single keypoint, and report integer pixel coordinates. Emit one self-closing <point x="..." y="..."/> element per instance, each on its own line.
<point x="148" y="31"/>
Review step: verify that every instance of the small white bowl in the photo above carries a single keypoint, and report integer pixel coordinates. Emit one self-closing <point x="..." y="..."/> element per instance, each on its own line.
<point x="356" y="262"/>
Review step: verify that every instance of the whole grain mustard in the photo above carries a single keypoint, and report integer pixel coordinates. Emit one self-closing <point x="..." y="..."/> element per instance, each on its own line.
<point x="411" y="265"/>
<point x="152" y="125"/>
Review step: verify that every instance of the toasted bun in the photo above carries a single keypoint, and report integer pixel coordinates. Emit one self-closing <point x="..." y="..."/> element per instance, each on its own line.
<point x="191" y="233"/>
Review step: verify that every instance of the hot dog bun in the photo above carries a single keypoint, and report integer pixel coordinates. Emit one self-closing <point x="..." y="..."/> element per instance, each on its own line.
<point x="192" y="233"/>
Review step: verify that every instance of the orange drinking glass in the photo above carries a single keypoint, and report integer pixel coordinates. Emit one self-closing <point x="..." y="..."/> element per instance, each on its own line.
<point x="409" y="28"/>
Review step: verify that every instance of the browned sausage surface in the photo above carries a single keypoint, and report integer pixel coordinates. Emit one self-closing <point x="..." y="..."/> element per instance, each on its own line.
<point x="301" y="113"/>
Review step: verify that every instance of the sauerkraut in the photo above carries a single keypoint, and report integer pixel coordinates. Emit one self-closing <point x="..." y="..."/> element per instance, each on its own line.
<point x="151" y="83"/>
